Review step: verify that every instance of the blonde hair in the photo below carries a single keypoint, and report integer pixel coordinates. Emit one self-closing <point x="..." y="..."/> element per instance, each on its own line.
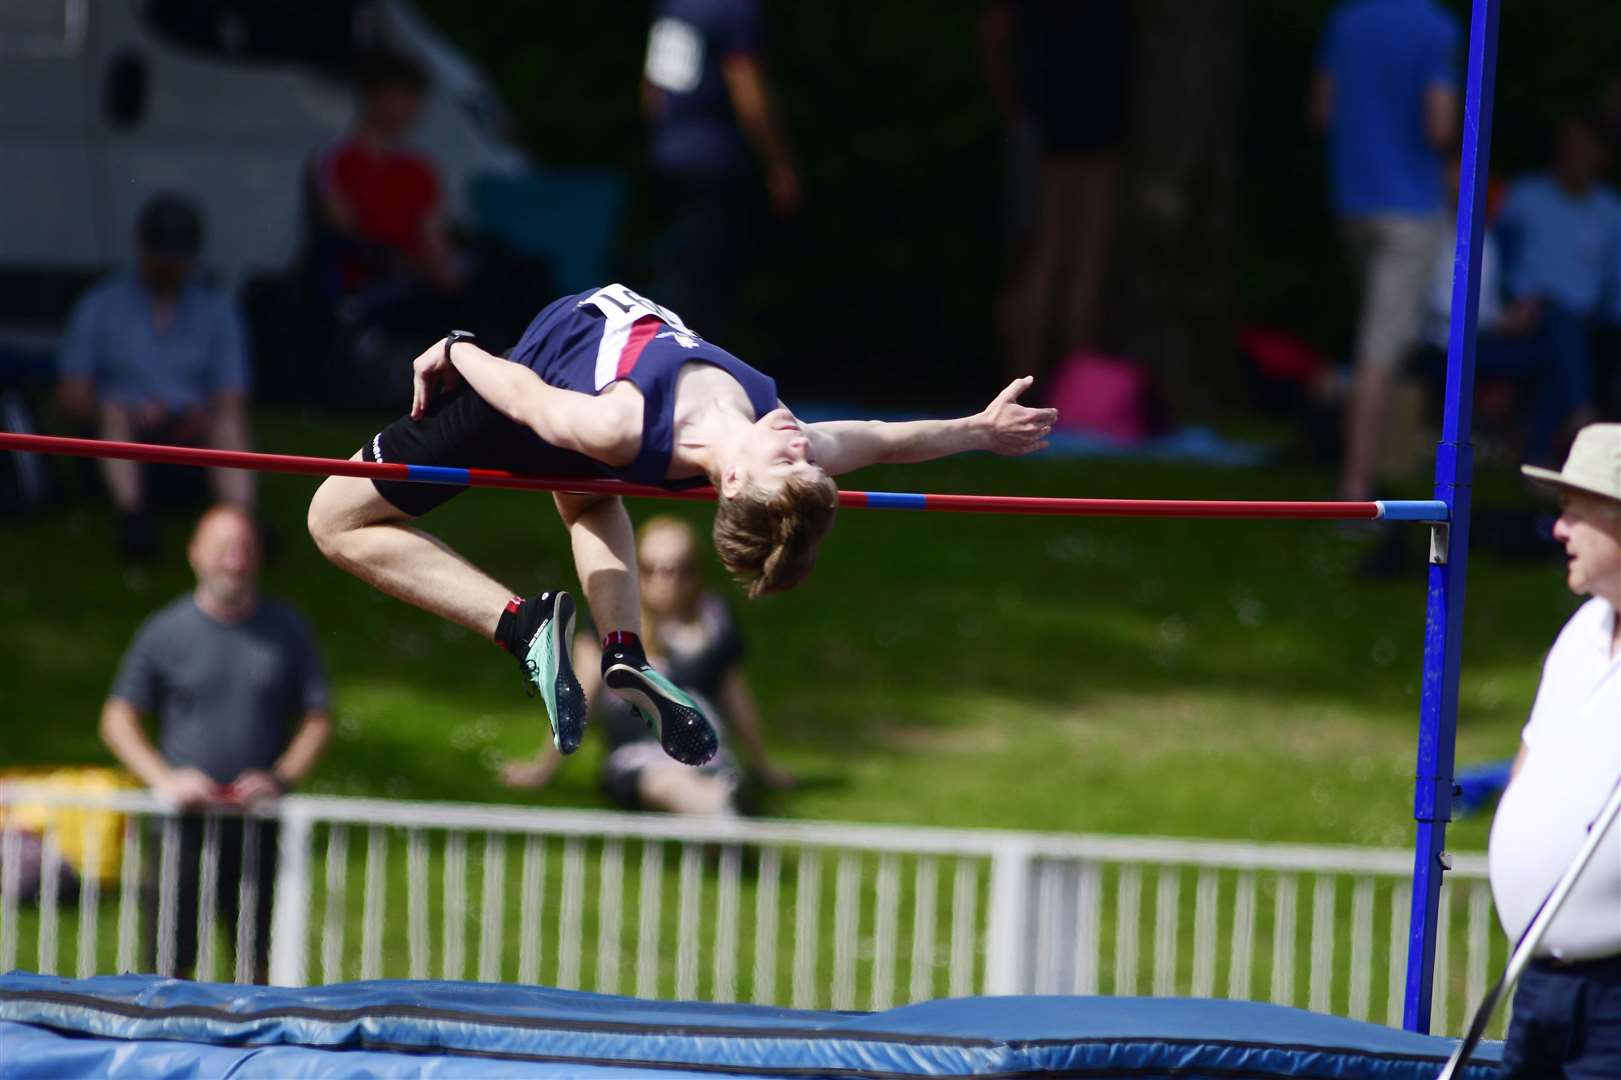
<point x="769" y="539"/>
<point x="666" y="523"/>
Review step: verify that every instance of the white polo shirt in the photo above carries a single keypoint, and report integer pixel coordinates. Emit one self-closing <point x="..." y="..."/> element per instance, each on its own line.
<point x="1573" y="757"/>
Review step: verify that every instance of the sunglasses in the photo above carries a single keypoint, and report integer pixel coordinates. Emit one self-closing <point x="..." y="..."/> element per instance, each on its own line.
<point x="680" y="569"/>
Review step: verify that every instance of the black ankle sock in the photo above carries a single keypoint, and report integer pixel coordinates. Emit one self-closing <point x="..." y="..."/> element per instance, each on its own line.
<point x="519" y="622"/>
<point x="622" y="647"/>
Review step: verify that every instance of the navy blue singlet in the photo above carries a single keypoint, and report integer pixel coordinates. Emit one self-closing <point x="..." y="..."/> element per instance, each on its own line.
<point x="590" y="341"/>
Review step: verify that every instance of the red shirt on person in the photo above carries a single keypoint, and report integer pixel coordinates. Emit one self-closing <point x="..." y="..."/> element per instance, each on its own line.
<point x="389" y="194"/>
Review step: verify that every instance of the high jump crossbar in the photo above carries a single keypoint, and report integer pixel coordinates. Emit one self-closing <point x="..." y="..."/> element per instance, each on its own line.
<point x="1387" y="510"/>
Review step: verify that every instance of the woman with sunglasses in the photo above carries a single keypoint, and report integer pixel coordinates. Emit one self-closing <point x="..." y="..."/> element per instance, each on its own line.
<point x="690" y="635"/>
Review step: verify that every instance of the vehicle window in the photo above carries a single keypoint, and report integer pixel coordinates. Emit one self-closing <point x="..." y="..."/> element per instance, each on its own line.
<point x="314" y="33"/>
<point x="41" y="27"/>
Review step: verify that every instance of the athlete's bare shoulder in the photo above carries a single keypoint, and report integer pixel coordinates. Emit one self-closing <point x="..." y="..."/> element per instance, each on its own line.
<point x="619" y="406"/>
<point x="700" y="381"/>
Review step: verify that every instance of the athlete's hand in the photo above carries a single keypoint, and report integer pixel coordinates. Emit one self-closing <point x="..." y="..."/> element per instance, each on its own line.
<point x="1013" y="429"/>
<point x="431" y="373"/>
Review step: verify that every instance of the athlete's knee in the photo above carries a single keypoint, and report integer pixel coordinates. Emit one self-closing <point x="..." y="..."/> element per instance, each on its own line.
<point x="327" y="524"/>
<point x="572" y="506"/>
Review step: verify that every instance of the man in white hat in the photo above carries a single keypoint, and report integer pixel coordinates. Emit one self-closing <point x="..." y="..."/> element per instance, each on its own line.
<point x="1567" y="1011"/>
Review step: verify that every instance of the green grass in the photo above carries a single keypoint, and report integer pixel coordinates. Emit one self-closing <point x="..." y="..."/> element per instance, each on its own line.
<point x="1200" y="679"/>
<point x="1206" y="679"/>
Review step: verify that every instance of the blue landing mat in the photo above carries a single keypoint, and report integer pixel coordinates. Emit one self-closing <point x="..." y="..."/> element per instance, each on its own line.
<point x="152" y="1028"/>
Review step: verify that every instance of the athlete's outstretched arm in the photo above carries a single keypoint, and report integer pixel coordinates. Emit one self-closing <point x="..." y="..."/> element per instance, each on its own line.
<point x="1002" y="427"/>
<point x="606" y="428"/>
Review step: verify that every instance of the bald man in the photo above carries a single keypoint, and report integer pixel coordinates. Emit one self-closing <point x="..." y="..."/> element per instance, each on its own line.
<point x="236" y="687"/>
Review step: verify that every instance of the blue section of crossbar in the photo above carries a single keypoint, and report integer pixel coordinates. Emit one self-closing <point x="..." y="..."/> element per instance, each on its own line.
<point x="897" y="500"/>
<point x="1413" y="510"/>
<point x="438" y="474"/>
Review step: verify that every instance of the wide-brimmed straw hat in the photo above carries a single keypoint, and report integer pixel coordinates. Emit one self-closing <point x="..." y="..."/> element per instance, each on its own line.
<point x="1593" y="466"/>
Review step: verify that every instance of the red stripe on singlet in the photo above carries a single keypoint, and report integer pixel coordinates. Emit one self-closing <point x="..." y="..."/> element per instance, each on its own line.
<point x="641" y="332"/>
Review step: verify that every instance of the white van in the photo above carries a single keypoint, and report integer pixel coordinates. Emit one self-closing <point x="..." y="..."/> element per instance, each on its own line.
<point x="103" y="102"/>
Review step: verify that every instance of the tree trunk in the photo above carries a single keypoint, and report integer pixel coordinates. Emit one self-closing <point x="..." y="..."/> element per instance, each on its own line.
<point x="1177" y="256"/>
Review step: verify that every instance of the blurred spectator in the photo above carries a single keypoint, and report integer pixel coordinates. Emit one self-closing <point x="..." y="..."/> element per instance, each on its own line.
<point x="1385" y="93"/>
<point x="1562" y="247"/>
<point x="706" y="98"/>
<point x="158" y="356"/>
<point x="1058" y="71"/>
<point x="382" y="213"/>
<point x="1541" y="349"/>
<point x="1607" y="338"/>
<point x="690" y="636"/>
<point x="1610" y="108"/>
<point x="1562" y="227"/>
<point x="241" y="702"/>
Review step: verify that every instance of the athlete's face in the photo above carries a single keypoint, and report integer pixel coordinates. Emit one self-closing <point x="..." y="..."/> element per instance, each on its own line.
<point x="1590" y="529"/>
<point x="775" y="449"/>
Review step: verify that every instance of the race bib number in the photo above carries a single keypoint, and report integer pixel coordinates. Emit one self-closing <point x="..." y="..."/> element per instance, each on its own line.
<point x="675" y="56"/>
<point x="621" y="310"/>
<point x="621" y="307"/>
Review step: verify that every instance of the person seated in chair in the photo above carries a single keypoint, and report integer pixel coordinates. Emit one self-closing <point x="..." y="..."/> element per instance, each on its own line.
<point x="692" y="635"/>
<point x="384" y="250"/>
<point x="1561" y="235"/>
<point x="155" y="355"/>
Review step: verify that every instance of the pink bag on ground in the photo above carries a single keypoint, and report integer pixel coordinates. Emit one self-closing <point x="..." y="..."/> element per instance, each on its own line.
<point x="1103" y="395"/>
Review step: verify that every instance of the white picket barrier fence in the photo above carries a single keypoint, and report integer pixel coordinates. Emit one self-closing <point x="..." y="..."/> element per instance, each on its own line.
<point x="809" y="914"/>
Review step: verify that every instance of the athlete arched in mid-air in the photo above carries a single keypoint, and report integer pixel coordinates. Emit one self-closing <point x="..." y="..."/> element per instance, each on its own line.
<point x="608" y="383"/>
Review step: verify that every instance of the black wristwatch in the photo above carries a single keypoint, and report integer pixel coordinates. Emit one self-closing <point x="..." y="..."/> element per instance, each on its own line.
<point x="455" y="336"/>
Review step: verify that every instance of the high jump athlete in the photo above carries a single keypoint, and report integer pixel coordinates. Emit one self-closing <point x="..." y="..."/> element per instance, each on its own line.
<point x="609" y="383"/>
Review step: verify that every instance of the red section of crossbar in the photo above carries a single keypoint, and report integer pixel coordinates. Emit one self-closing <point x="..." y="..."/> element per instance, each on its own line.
<point x="319" y="466"/>
<point x="496" y="478"/>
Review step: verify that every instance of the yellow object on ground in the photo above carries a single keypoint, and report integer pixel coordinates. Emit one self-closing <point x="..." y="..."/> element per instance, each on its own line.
<point x="90" y="840"/>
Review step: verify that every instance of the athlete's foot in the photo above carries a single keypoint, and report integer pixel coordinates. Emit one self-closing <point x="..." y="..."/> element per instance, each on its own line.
<point x="550" y="670"/>
<point x="683" y="730"/>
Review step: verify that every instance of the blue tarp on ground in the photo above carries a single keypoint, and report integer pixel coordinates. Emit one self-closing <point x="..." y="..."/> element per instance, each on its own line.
<point x="147" y="1027"/>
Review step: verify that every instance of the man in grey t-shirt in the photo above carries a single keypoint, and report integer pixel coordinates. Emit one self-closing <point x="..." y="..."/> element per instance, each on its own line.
<point x="241" y="702"/>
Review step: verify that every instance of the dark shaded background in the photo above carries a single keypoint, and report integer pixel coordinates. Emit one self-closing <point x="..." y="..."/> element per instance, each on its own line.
<point x="882" y="291"/>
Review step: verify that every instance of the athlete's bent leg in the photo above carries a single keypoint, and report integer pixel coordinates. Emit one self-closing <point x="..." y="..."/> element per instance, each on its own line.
<point x="363" y="533"/>
<point x="604" y="544"/>
<point x="605" y="559"/>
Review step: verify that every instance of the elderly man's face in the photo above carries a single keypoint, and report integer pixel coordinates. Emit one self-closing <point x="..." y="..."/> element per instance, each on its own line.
<point x="225" y="557"/>
<point x="1590" y="530"/>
